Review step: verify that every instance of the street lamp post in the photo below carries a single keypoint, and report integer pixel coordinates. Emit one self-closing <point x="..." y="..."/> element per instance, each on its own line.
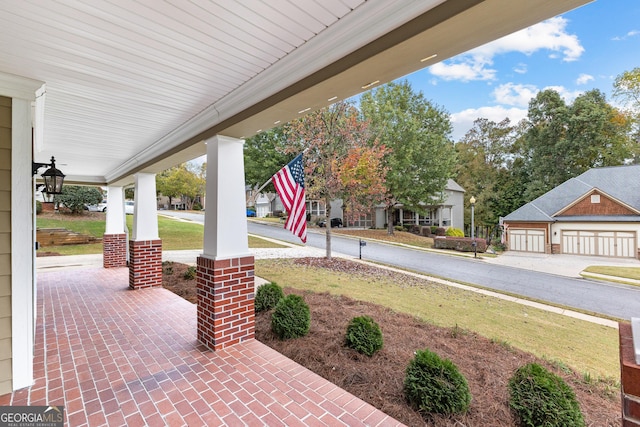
<point x="472" y="200"/>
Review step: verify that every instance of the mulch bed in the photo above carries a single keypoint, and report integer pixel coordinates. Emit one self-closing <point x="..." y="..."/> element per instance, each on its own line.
<point x="379" y="379"/>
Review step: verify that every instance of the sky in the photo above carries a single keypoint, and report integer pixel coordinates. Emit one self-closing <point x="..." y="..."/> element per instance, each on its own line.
<point x="581" y="50"/>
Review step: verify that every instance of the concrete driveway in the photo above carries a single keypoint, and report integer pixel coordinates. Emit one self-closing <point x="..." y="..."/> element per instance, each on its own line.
<point x="563" y="265"/>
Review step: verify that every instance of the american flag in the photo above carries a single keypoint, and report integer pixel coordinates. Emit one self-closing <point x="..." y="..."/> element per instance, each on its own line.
<point x="289" y="183"/>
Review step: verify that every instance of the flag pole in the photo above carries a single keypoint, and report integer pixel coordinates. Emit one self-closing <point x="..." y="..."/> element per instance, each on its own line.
<point x="263" y="185"/>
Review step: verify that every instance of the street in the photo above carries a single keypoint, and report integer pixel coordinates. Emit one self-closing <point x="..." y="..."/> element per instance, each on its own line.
<point x="619" y="301"/>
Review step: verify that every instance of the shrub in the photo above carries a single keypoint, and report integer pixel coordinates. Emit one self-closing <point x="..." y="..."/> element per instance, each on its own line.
<point x="435" y="385"/>
<point x="454" y="232"/>
<point x="167" y="267"/>
<point x="364" y="335"/>
<point x="291" y="317"/>
<point x="38" y="207"/>
<point x="414" y="229"/>
<point x="75" y="197"/>
<point x="462" y="244"/>
<point x="425" y="230"/>
<point x="190" y="273"/>
<point x="398" y="227"/>
<point x="434" y="228"/>
<point x="541" y="398"/>
<point x="197" y="206"/>
<point x="268" y="296"/>
<point x="440" y="231"/>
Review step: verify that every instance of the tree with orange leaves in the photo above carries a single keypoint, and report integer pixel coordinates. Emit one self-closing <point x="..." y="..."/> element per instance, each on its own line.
<point x="342" y="158"/>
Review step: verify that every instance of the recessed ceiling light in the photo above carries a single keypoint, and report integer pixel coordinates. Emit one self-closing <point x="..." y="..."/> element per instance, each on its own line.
<point x="304" y="111"/>
<point x="276" y="122"/>
<point x="259" y="130"/>
<point x="368" y="85"/>
<point x="429" y="57"/>
<point x="333" y="98"/>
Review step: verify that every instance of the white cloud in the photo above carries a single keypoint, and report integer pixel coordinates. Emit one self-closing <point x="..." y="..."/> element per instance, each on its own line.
<point x="514" y="94"/>
<point x="631" y="33"/>
<point x="567" y="95"/>
<point x="465" y="71"/>
<point x="548" y="35"/>
<point x="583" y="79"/>
<point x="463" y="121"/>
<point x="521" y="68"/>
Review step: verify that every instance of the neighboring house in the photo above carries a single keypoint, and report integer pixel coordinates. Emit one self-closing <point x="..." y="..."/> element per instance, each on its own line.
<point x="596" y="213"/>
<point x="448" y="213"/>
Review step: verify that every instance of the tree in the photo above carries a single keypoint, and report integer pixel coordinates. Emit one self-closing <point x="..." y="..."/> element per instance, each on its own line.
<point x="264" y="155"/>
<point x="483" y="155"/>
<point x="339" y="156"/>
<point x="626" y="88"/>
<point x="186" y="181"/>
<point x="563" y="141"/>
<point x="75" y="197"/>
<point x="420" y="157"/>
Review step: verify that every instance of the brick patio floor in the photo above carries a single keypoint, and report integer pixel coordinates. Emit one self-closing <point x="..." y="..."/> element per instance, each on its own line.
<point x="114" y="356"/>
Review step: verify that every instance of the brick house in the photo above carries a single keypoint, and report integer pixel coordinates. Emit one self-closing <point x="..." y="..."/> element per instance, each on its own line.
<point x="595" y="214"/>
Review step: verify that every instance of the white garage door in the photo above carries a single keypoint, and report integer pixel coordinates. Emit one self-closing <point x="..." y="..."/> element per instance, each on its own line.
<point x="620" y="244"/>
<point x="526" y="240"/>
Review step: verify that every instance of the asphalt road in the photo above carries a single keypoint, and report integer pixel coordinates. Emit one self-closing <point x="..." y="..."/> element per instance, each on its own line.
<point x="620" y="301"/>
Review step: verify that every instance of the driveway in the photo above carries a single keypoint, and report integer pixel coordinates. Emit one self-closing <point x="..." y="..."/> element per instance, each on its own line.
<point x="562" y="265"/>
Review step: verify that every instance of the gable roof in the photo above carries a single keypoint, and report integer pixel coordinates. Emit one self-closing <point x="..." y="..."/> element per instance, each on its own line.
<point x="620" y="182"/>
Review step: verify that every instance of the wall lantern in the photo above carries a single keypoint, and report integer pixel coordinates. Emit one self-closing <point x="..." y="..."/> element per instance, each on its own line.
<point x="53" y="177"/>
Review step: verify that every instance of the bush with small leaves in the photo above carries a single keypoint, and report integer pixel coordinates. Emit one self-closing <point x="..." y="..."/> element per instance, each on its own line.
<point x="190" y="273"/>
<point x="541" y="398"/>
<point x="454" y="232"/>
<point x="364" y="335"/>
<point x="267" y="296"/>
<point x="291" y="318"/>
<point x="435" y="385"/>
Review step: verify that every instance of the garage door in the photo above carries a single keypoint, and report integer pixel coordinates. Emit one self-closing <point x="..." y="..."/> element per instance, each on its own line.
<point x="620" y="244"/>
<point x="526" y="240"/>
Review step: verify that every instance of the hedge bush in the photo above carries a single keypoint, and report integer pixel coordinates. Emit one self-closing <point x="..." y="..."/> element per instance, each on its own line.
<point x="541" y="398"/>
<point x="364" y="335"/>
<point x="268" y="296"/>
<point x="291" y="318"/>
<point x="462" y="244"/>
<point x="435" y="385"/>
<point x="38" y="207"/>
<point x="440" y="231"/>
<point x="454" y="232"/>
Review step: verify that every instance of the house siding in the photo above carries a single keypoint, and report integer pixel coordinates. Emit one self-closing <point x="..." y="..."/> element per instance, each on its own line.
<point x="605" y="206"/>
<point x="5" y="247"/>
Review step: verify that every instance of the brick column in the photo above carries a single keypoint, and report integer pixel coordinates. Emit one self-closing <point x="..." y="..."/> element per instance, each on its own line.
<point x="145" y="263"/>
<point x="226" y="313"/>
<point x="114" y="250"/>
<point x="630" y="378"/>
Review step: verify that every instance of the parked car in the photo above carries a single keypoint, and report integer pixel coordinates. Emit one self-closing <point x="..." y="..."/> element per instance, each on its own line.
<point x="128" y="207"/>
<point x="335" y="222"/>
<point x="251" y="212"/>
<point x="100" y="207"/>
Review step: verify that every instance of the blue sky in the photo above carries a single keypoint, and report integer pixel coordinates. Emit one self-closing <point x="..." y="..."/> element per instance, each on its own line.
<point x="583" y="49"/>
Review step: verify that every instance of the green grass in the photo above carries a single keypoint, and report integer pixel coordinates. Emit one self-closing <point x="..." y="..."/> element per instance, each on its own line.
<point x="622" y="272"/>
<point x="584" y="346"/>
<point x="175" y="235"/>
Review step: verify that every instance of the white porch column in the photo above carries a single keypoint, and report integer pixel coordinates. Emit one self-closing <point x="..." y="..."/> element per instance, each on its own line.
<point x="226" y="313"/>
<point x="225" y="219"/>
<point x="145" y="210"/>
<point x="114" y="241"/>
<point x="145" y="248"/>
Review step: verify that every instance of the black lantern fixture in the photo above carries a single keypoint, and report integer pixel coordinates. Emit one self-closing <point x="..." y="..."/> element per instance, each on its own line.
<point x="53" y="177"/>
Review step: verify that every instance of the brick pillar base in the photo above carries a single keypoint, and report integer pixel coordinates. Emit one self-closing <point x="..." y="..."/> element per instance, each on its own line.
<point x="114" y="250"/>
<point x="145" y="263"/>
<point x="630" y="378"/>
<point x="226" y="290"/>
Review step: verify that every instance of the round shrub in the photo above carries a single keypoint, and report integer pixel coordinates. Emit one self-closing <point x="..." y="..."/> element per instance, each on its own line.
<point x="291" y="317"/>
<point x="268" y="296"/>
<point x="38" y="207"/>
<point x="454" y="232"/>
<point x="364" y="335"/>
<point x="435" y="385"/>
<point x="541" y="398"/>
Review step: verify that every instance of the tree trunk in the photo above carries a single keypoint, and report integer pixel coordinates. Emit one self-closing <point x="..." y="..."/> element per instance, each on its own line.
<point x="328" y="226"/>
<point x="390" y="211"/>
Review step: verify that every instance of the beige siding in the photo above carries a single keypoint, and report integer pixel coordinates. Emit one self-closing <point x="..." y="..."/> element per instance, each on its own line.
<point x="5" y="246"/>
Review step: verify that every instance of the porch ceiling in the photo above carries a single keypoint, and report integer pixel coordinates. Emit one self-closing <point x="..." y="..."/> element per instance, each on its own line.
<point x="137" y="86"/>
